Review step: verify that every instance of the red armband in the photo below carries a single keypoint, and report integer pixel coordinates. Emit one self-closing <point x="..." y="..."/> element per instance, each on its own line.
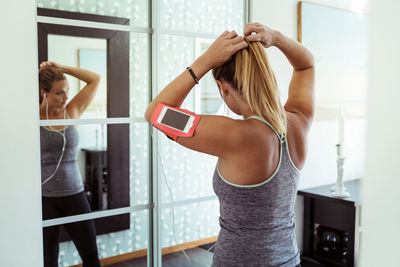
<point x="174" y="121"/>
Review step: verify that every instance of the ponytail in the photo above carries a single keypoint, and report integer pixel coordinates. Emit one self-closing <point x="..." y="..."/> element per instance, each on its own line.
<point x="250" y="73"/>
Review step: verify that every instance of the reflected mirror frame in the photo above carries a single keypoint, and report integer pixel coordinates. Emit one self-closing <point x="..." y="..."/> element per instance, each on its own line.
<point x="117" y="105"/>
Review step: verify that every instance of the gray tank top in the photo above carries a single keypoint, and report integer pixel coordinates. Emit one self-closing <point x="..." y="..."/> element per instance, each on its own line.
<point x="67" y="180"/>
<point x="257" y="221"/>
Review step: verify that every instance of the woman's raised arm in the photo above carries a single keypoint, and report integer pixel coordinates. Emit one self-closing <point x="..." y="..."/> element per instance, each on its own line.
<point x="222" y="49"/>
<point x="215" y="135"/>
<point x="301" y="89"/>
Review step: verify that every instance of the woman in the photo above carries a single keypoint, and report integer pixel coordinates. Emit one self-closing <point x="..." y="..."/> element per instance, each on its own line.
<point x="62" y="188"/>
<point x="256" y="178"/>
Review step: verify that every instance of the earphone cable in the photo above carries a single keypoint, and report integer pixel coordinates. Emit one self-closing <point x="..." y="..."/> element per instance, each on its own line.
<point x="172" y="199"/>
<point x="63" y="147"/>
<point x="173" y="211"/>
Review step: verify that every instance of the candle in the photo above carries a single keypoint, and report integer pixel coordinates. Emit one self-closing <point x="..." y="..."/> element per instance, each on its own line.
<point x="341" y="132"/>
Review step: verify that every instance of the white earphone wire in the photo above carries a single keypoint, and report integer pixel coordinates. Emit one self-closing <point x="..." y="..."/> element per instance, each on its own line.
<point x="64" y="142"/>
<point x="172" y="208"/>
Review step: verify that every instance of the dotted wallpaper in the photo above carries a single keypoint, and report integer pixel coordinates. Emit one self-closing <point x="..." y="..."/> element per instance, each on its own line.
<point x="205" y="16"/>
<point x="135" y="10"/>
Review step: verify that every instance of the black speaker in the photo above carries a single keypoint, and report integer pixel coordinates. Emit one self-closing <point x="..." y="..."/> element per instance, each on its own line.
<point x="332" y="243"/>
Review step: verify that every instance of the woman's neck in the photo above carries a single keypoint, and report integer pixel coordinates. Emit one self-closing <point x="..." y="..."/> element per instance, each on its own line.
<point x="52" y="113"/>
<point x="244" y="107"/>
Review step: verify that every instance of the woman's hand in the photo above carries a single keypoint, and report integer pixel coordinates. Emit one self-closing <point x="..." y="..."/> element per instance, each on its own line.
<point x="47" y="64"/>
<point x="258" y="32"/>
<point x="223" y="48"/>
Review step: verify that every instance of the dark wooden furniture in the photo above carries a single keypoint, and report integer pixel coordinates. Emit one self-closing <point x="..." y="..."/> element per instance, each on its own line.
<point x="117" y="103"/>
<point x="342" y="216"/>
<point x="96" y="178"/>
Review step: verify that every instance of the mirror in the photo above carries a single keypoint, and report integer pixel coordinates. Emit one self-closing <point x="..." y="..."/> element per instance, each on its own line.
<point x="89" y="54"/>
<point x="103" y="149"/>
<point x="338" y="39"/>
<point x="339" y="42"/>
<point x="85" y="53"/>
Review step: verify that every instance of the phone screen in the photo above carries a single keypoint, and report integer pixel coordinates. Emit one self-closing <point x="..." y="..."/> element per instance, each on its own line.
<point x="175" y="119"/>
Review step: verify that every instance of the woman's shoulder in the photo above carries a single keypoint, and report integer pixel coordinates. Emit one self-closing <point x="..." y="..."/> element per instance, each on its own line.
<point x="297" y="126"/>
<point x="255" y="138"/>
<point x="71" y="112"/>
<point x="255" y="128"/>
<point x="297" y="133"/>
<point x="249" y="129"/>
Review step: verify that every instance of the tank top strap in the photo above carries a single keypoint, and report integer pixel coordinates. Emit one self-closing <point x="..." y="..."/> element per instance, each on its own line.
<point x="66" y="113"/>
<point x="281" y="137"/>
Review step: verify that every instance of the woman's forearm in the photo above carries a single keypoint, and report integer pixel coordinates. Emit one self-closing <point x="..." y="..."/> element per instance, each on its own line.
<point x="177" y="90"/>
<point x="82" y="74"/>
<point x="299" y="56"/>
<point x="220" y="51"/>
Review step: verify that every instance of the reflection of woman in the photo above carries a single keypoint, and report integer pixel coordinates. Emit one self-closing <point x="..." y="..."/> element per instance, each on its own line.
<point x="62" y="188"/>
<point x="256" y="178"/>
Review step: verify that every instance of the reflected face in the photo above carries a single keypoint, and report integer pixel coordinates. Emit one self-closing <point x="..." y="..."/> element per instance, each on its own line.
<point x="58" y="95"/>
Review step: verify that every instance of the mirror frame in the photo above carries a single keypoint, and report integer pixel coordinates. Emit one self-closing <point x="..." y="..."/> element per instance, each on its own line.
<point x="117" y="155"/>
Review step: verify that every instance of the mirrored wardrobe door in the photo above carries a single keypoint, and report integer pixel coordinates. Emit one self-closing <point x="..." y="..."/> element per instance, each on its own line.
<point x="112" y="157"/>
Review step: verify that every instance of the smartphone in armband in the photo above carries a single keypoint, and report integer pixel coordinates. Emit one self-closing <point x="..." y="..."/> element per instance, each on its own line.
<point x="174" y="121"/>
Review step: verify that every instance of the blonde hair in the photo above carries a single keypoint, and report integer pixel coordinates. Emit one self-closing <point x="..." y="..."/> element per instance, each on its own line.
<point x="250" y="73"/>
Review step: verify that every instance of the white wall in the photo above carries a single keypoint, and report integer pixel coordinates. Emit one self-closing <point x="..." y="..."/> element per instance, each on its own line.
<point x="20" y="202"/>
<point x="381" y="210"/>
<point x="320" y="167"/>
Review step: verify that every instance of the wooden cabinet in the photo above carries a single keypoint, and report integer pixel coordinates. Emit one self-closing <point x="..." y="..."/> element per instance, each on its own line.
<point x="332" y="226"/>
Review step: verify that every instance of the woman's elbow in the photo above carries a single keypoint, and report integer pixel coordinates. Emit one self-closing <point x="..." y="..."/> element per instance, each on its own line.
<point x="97" y="78"/>
<point x="310" y="60"/>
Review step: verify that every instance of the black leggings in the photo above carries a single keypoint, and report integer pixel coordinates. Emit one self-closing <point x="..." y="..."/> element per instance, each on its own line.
<point x="83" y="233"/>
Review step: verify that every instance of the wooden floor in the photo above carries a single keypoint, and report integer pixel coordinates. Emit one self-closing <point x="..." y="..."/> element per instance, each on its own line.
<point x="198" y="257"/>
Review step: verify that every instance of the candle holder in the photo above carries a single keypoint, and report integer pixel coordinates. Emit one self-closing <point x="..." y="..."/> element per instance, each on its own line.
<point x="339" y="190"/>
